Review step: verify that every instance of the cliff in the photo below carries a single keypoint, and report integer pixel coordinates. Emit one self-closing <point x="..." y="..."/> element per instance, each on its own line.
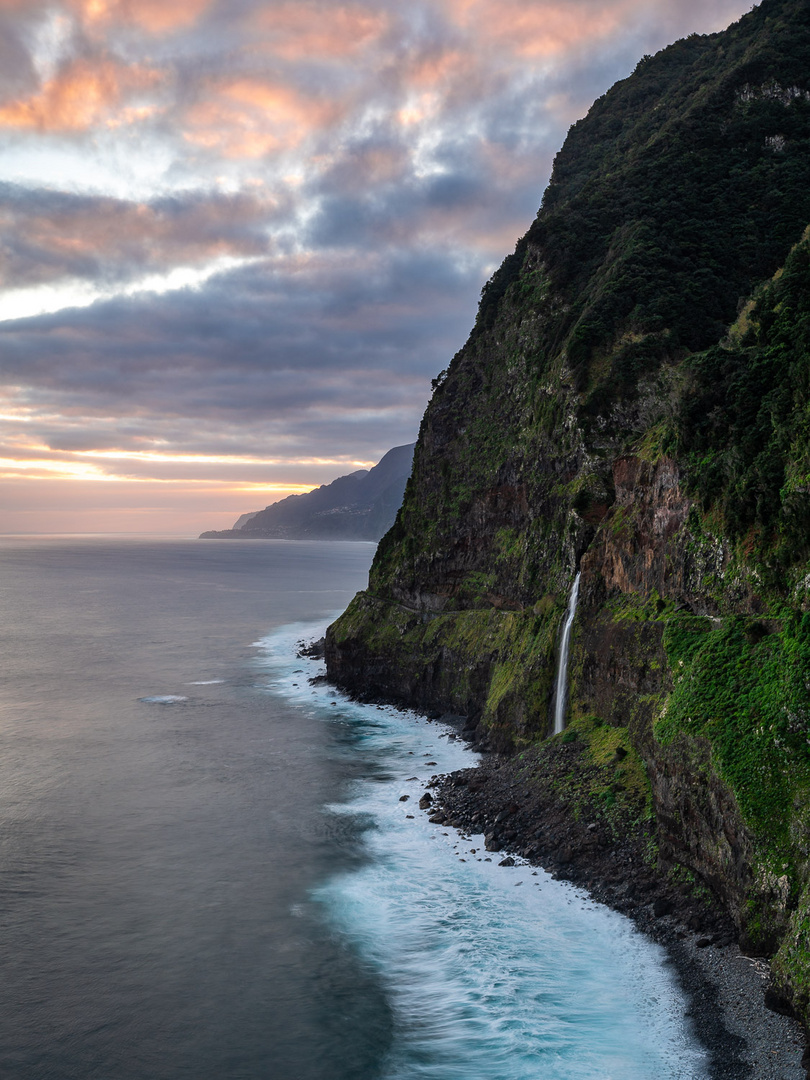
<point x="634" y="402"/>
<point x="359" y="506"/>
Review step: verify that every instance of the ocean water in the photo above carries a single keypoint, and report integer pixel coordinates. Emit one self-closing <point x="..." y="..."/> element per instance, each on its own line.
<point x="208" y="868"/>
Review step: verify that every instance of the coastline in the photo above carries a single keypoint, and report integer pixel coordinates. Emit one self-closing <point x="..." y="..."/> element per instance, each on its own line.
<point x="515" y="801"/>
<point x="726" y="991"/>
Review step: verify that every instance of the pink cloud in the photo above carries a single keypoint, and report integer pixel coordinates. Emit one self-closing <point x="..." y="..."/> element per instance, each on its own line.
<point x="312" y="31"/>
<point x="542" y="28"/>
<point x="250" y="116"/>
<point x="154" y="16"/>
<point x="80" y="96"/>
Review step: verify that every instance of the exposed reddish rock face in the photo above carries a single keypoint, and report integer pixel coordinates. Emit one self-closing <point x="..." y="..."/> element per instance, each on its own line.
<point x="639" y="558"/>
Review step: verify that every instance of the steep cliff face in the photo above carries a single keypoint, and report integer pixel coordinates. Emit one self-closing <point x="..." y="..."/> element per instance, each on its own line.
<point x="622" y="409"/>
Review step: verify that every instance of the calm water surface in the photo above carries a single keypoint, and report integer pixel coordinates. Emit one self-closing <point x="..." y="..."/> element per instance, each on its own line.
<point x="207" y="870"/>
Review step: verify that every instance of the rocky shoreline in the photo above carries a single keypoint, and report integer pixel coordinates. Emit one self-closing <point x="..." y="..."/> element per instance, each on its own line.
<point x="733" y="1010"/>
<point x="527" y="809"/>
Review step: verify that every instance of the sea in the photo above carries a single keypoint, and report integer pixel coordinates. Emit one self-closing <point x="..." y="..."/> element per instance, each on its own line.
<point x="213" y="865"/>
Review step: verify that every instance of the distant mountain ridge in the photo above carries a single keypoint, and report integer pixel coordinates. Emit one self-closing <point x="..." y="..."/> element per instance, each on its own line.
<point x="359" y="506"/>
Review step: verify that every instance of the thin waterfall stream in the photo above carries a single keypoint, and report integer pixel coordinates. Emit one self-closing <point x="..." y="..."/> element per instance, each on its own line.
<point x="562" y="669"/>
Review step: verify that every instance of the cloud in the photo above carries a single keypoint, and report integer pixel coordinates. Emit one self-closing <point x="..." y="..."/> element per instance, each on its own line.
<point x="154" y="16"/>
<point x="84" y="93"/>
<point x="540" y="28"/>
<point x="51" y="235"/>
<point x="16" y="69"/>
<point x="249" y="117"/>
<point x="291" y="350"/>
<point x="365" y="165"/>
<point x="318" y="31"/>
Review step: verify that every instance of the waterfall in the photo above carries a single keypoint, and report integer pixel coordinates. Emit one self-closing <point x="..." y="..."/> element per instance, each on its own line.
<point x="562" y="670"/>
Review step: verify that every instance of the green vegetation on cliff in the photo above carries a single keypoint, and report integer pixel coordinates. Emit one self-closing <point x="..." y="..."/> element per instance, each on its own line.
<point x="634" y="401"/>
<point x="742" y="685"/>
<point x="744" y="425"/>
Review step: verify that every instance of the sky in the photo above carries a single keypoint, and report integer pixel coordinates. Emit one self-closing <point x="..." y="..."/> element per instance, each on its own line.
<point x="238" y="238"/>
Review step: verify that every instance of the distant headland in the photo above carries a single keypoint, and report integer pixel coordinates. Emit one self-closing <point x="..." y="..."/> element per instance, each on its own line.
<point x="359" y="506"/>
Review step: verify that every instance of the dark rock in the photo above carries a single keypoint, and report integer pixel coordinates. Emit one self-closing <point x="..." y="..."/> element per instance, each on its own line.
<point x="315" y="649"/>
<point x="778" y="1003"/>
<point x="508" y="861"/>
<point x="426" y="801"/>
<point x="662" y="906"/>
<point x="404" y="798"/>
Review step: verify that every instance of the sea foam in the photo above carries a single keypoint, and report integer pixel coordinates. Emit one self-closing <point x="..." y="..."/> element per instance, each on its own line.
<point x="493" y="972"/>
<point x="164" y="699"/>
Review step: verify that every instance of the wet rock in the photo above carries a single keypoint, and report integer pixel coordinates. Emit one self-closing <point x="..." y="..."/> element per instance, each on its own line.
<point x="404" y="798"/>
<point x="426" y="801"/>
<point x="508" y="861"/>
<point x="313" y="649"/>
